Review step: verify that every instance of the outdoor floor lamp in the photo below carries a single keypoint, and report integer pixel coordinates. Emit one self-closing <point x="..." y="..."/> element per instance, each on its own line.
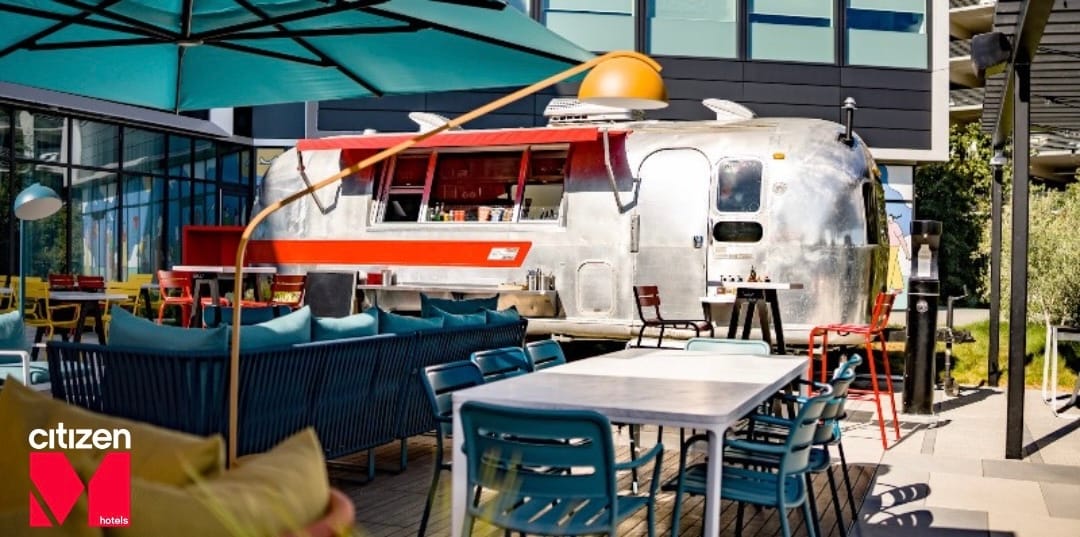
<point x="35" y="202"/>
<point x="621" y="79"/>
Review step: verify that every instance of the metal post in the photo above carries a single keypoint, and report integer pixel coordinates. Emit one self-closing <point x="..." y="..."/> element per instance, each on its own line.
<point x="993" y="368"/>
<point x="22" y="269"/>
<point x="1014" y="427"/>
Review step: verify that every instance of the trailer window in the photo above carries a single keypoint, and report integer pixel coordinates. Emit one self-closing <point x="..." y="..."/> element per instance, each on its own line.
<point x="737" y="232"/>
<point x="474" y="187"/>
<point x="738" y="187"/>
<point x="543" y="185"/>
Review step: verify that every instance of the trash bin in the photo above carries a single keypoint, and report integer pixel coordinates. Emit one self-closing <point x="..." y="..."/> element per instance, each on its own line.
<point x="923" y="291"/>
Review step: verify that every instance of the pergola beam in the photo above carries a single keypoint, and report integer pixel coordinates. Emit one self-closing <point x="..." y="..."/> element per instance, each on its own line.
<point x="1030" y="28"/>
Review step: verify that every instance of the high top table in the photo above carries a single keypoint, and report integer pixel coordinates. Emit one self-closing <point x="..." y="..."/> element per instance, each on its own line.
<point x="751" y="293"/>
<point x="700" y="390"/>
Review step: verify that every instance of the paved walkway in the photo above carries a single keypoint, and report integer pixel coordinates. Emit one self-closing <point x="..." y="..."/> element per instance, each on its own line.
<point x="948" y="476"/>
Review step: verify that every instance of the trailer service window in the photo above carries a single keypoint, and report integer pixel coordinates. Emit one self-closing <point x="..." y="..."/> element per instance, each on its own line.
<point x="474" y="186"/>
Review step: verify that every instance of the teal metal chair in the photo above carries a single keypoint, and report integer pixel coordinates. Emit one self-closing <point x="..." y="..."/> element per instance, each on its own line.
<point x="440" y="381"/>
<point x="18" y="365"/>
<point x="828" y="433"/>
<point x="756" y="347"/>
<point x="501" y="363"/>
<point x="544" y="354"/>
<point x="502" y="443"/>
<point x="782" y="486"/>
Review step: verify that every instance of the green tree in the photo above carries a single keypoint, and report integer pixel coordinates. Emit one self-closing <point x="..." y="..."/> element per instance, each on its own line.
<point x="957" y="192"/>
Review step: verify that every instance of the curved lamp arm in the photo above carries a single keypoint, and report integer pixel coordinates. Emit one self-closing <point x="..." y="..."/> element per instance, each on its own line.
<point x="234" y="349"/>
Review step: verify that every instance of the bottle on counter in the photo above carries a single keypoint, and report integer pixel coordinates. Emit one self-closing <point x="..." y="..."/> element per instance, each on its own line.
<point x="753" y="274"/>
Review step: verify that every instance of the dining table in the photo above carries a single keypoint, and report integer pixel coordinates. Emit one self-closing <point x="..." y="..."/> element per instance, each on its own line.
<point x="90" y="305"/>
<point x="211" y="276"/>
<point x="692" y="389"/>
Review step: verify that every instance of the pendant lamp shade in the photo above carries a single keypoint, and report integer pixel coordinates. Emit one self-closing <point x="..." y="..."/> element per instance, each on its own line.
<point x="625" y="82"/>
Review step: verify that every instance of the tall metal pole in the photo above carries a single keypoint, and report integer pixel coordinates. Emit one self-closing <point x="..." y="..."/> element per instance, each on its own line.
<point x="22" y="270"/>
<point x="1014" y="427"/>
<point x="993" y="368"/>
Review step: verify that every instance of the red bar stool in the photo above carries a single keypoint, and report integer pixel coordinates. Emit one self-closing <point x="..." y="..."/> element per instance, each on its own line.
<point x="879" y="319"/>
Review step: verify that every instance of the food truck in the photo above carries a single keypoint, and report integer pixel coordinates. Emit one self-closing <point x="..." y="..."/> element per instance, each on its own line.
<point x="564" y="220"/>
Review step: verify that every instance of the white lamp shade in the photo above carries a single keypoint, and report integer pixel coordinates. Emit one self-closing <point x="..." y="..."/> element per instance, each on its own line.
<point x="37" y="201"/>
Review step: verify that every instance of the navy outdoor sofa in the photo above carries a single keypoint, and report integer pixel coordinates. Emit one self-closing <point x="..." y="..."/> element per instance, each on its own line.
<point x="358" y="393"/>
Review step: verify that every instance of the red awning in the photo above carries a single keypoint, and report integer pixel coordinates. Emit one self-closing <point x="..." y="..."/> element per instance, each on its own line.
<point x="501" y="137"/>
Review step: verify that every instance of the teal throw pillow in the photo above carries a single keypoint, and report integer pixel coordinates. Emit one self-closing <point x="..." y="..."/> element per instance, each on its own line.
<point x="131" y="332"/>
<point x="392" y="323"/>
<point x="12" y="337"/>
<point x="454" y="320"/>
<point x="457" y="307"/>
<point x="285" y="331"/>
<point x="330" y="328"/>
<point x="216" y="315"/>
<point x="508" y="315"/>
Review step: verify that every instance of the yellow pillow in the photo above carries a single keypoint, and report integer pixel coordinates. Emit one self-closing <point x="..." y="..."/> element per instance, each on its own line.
<point x="156" y="453"/>
<point x="284" y="489"/>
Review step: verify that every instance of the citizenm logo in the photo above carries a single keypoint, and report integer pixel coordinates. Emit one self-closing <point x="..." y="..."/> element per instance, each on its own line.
<point x="56" y="487"/>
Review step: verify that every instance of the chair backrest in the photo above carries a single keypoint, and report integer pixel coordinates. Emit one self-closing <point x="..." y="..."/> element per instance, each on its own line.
<point x="441" y="381"/>
<point x="544" y="354"/>
<point x="647" y="298"/>
<point x="503" y="443"/>
<point x="501" y="363"/>
<point x="829" y="428"/>
<point x="803" y="431"/>
<point x="60" y="282"/>
<point x="756" y="347"/>
<point x="140" y="279"/>
<point x="91" y="283"/>
<point x="883" y="304"/>
<point x="174" y="284"/>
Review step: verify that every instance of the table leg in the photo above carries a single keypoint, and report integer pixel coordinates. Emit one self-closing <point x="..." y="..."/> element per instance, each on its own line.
<point x="774" y="305"/>
<point x="733" y="325"/>
<point x="712" y="482"/>
<point x="459" y="484"/>
<point x="77" y="336"/>
<point x="750" y="304"/>
<point x="99" y="323"/>
<point x="763" y="321"/>
<point x="148" y="310"/>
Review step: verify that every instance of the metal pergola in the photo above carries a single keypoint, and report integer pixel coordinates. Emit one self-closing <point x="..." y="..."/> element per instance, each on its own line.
<point x="1039" y="91"/>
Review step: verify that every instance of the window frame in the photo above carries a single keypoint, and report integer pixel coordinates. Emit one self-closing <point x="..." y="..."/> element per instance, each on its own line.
<point x="762" y="199"/>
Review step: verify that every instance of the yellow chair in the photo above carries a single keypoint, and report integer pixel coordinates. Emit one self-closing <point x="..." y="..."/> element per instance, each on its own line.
<point x="132" y="303"/>
<point x="47" y="318"/>
<point x="8" y="301"/>
<point x="138" y="281"/>
<point x="30" y="310"/>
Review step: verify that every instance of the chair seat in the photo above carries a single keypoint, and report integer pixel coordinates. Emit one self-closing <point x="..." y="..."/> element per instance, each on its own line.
<point x="741" y="485"/>
<point x="554" y="521"/>
<point x="844" y="327"/>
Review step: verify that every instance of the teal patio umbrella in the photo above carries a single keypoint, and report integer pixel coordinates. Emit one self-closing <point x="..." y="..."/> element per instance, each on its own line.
<point x="196" y="54"/>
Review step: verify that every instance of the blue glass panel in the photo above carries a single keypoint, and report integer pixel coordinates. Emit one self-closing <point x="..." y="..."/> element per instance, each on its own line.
<point x="693" y="28"/>
<point x="887" y="34"/>
<point x="596" y="25"/>
<point x="791" y="30"/>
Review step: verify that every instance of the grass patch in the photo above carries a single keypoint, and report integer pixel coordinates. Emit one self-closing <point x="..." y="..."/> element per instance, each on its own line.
<point x="969" y="359"/>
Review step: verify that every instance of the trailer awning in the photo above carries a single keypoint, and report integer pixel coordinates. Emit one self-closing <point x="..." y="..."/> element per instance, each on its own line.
<point x="482" y="138"/>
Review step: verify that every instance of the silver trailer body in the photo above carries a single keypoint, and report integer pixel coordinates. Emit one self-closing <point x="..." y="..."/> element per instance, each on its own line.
<point x="817" y="219"/>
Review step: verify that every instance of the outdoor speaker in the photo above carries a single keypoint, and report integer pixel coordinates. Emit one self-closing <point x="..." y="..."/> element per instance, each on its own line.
<point x="990" y="53"/>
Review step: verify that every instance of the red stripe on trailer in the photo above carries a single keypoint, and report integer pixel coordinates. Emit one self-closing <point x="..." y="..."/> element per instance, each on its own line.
<point x="419" y="253"/>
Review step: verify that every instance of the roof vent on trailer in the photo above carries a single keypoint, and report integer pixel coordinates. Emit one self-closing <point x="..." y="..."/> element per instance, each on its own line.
<point x="427" y="121"/>
<point x="728" y="110"/>
<point x="564" y="110"/>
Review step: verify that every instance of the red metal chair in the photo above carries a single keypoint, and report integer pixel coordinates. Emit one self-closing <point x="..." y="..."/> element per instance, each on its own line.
<point x="874" y="331"/>
<point x="648" y="308"/>
<point x="91" y="283"/>
<point x="175" y="289"/>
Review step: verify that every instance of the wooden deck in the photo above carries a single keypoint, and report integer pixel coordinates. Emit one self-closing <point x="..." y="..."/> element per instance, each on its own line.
<point x="392" y="504"/>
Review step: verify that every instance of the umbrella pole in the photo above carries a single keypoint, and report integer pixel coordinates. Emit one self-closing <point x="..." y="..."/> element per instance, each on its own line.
<point x="234" y="349"/>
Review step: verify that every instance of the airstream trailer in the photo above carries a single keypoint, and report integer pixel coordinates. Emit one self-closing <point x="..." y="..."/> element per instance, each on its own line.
<point x="597" y="207"/>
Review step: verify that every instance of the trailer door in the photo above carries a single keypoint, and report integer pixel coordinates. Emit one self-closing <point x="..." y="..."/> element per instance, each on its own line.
<point x="673" y="208"/>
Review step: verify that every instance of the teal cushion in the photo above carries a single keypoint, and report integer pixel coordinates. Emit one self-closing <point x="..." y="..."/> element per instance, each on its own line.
<point x="508" y="315"/>
<point x="131" y="332"/>
<point x="330" y="328"/>
<point x="392" y="323"/>
<point x="453" y="320"/>
<point x="285" y="331"/>
<point x="457" y="307"/>
<point x="215" y="315"/>
<point x="12" y="336"/>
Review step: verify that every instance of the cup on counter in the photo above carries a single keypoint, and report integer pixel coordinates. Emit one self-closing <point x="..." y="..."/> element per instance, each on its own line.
<point x="483" y="213"/>
<point x="496" y="214"/>
<point x="459" y="215"/>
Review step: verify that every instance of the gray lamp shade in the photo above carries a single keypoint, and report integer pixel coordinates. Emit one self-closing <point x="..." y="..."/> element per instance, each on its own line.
<point x="37" y="201"/>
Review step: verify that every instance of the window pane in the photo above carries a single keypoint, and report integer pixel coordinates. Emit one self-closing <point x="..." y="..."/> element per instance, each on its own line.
<point x="543" y="186"/>
<point x="206" y="196"/>
<point x="474" y="186"/>
<point x="888" y="33"/>
<point x="232" y="209"/>
<point x="140" y="244"/>
<point x="792" y="30"/>
<point x="40" y="136"/>
<point x="693" y="28"/>
<point x="230" y="168"/>
<point x="410" y="171"/>
<point x="597" y="25"/>
<point x="144" y="151"/>
<point x="179" y="216"/>
<point x="93" y="231"/>
<point x="738" y="188"/>
<point x="205" y="160"/>
<point x="179" y="160"/>
<point x="737" y="232"/>
<point x="94" y="144"/>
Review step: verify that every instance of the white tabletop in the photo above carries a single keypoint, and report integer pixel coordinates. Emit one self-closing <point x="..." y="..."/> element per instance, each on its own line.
<point x="691" y="389"/>
<point x="83" y="296"/>
<point x="5" y="290"/>
<point x="226" y="270"/>
<point x="776" y="286"/>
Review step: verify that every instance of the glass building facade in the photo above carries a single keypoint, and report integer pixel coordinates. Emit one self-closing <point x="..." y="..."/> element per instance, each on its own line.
<point x="127" y="190"/>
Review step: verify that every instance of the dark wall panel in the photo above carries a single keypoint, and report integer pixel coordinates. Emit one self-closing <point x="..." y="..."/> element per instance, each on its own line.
<point x="278" y="121"/>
